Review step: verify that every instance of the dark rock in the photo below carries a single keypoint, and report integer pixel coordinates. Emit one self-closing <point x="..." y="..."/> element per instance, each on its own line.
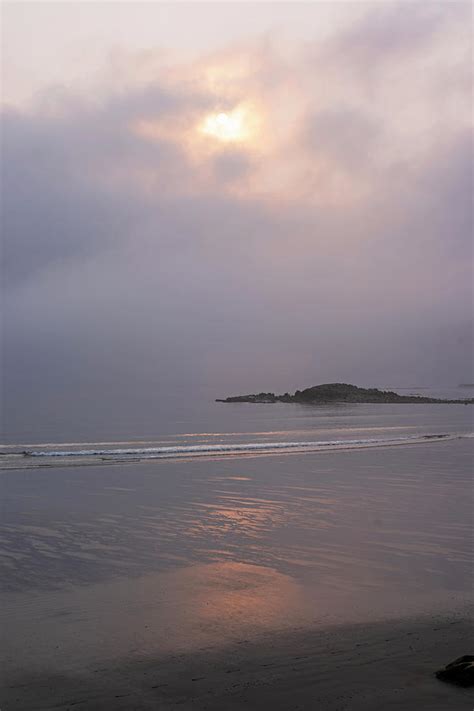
<point x="460" y="672"/>
<point x="339" y="392"/>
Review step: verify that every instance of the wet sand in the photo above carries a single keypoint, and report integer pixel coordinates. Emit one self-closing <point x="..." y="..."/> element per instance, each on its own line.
<point x="365" y="667"/>
<point x="327" y="581"/>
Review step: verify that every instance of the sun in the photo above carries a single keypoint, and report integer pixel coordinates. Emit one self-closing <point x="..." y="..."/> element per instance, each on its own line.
<point x="225" y="126"/>
<point x="229" y="126"/>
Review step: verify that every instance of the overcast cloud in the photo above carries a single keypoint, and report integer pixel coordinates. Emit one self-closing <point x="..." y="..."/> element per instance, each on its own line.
<point x="333" y="244"/>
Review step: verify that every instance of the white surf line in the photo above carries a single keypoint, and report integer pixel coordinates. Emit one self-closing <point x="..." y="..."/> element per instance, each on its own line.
<point x="22" y="446"/>
<point x="94" y="458"/>
<point x="19" y="448"/>
<point x="218" y="448"/>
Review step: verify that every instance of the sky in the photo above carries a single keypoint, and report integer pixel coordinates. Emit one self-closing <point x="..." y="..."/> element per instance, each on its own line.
<point x="234" y="197"/>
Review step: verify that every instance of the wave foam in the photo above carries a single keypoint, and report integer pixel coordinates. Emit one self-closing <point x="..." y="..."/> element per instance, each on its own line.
<point x="202" y="449"/>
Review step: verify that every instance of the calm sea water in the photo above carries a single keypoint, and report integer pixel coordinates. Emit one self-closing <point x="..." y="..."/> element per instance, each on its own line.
<point x="155" y="557"/>
<point x="185" y="417"/>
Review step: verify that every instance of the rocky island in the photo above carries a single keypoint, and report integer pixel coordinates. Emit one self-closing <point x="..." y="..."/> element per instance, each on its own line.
<point x="340" y="392"/>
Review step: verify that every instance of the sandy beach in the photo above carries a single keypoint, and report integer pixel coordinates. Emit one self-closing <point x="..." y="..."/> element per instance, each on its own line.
<point x="336" y="580"/>
<point x="364" y="667"/>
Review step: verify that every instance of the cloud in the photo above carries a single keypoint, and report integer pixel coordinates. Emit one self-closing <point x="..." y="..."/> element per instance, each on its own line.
<point x="138" y="250"/>
<point x="392" y="30"/>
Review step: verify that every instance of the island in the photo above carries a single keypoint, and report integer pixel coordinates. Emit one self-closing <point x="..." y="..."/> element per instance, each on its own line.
<point x="340" y="392"/>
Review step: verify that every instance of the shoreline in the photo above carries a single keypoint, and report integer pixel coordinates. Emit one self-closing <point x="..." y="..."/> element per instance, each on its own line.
<point x="23" y="461"/>
<point x="356" y="667"/>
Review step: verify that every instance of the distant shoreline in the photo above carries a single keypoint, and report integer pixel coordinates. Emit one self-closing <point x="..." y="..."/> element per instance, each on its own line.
<point x="331" y="393"/>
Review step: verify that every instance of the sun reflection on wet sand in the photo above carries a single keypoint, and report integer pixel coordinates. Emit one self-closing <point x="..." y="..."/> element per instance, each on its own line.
<point x="244" y="598"/>
<point x="173" y="557"/>
<point x="164" y="613"/>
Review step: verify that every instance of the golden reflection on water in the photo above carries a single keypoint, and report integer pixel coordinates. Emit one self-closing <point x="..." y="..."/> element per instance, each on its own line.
<point x="250" y="515"/>
<point x="235" y="598"/>
<point x="160" y="613"/>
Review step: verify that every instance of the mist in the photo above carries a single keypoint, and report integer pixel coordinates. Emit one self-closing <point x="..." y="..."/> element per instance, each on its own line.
<point x="143" y="260"/>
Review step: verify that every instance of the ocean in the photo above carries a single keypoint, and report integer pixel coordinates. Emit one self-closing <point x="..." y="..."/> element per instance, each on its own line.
<point x="246" y="520"/>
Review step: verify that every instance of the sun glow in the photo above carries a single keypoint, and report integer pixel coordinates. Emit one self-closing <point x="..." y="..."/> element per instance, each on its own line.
<point x="231" y="126"/>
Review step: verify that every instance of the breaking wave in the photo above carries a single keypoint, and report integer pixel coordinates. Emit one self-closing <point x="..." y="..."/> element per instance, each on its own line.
<point x="209" y="449"/>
